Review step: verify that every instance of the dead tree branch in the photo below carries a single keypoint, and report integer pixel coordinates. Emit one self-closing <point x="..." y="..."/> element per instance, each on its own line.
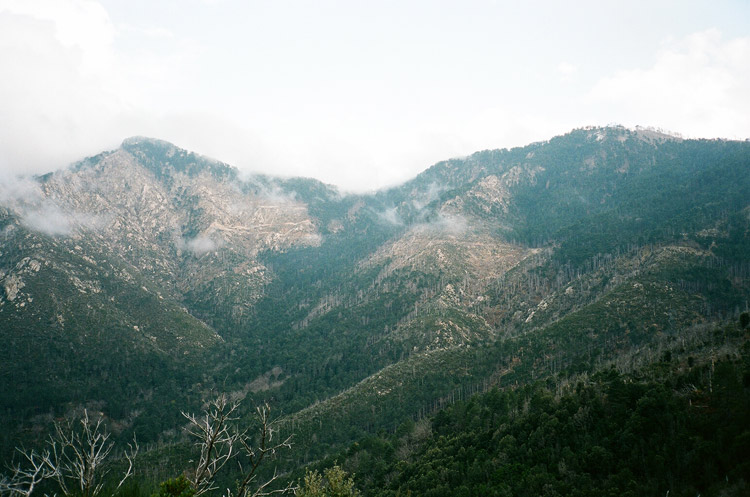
<point x="24" y="478"/>
<point x="75" y="459"/>
<point x="219" y="440"/>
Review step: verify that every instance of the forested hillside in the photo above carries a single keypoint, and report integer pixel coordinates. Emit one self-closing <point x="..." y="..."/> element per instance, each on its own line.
<point x="144" y="281"/>
<point x="677" y="425"/>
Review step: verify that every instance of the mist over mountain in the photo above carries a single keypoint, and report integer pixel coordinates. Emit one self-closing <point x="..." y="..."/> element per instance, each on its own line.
<point x="140" y="281"/>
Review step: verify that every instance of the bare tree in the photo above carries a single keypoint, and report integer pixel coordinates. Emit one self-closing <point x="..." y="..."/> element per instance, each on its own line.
<point x="216" y="440"/>
<point x="220" y="441"/>
<point x="255" y="455"/>
<point x="78" y="451"/>
<point x="74" y="458"/>
<point x="24" y="479"/>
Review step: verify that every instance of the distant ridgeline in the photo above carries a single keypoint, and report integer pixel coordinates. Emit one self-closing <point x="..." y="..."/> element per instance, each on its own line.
<point x="142" y="281"/>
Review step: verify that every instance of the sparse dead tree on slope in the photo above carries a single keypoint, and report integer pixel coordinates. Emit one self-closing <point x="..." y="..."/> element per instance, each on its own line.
<point x="219" y="441"/>
<point x="25" y="475"/>
<point x="75" y="460"/>
<point x="78" y="452"/>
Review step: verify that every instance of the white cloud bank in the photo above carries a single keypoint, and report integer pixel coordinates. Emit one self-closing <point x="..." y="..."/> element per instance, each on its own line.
<point x="59" y="88"/>
<point x="68" y="90"/>
<point x="697" y="86"/>
<point x="38" y="213"/>
<point x="290" y="89"/>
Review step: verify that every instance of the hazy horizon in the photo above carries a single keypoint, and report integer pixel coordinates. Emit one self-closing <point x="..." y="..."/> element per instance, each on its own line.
<point x="356" y="94"/>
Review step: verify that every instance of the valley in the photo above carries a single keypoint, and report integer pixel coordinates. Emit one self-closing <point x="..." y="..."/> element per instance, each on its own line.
<point x="143" y="281"/>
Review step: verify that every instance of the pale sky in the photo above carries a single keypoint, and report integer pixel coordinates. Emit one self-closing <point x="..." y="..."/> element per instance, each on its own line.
<point x="359" y="94"/>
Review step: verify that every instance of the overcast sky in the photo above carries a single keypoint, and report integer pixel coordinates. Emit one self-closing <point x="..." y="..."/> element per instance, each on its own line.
<point x="360" y="94"/>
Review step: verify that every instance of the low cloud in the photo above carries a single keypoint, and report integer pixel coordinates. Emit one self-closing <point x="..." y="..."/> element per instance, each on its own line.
<point x="23" y="196"/>
<point x="390" y="216"/>
<point x="48" y="219"/>
<point x="425" y="198"/>
<point x="267" y="188"/>
<point x="16" y="192"/>
<point x="451" y="224"/>
<point x="277" y="195"/>
<point x="199" y="245"/>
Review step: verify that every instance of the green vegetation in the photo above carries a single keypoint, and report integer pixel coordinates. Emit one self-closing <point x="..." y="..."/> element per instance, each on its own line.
<point x="586" y="364"/>
<point x="333" y="483"/>
<point x="668" y="427"/>
<point x="175" y="487"/>
<point x="163" y="159"/>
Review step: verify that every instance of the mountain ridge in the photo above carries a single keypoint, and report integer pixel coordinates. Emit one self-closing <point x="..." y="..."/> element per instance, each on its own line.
<point x="506" y="264"/>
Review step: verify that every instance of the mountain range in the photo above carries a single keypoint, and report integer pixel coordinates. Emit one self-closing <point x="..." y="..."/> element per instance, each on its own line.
<point x="140" y="281"/>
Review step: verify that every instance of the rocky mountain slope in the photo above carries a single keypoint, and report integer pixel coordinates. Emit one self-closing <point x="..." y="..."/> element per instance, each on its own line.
<point x="148" y="276"/>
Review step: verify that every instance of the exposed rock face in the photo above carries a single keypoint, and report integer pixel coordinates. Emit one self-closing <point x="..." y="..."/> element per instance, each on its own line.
<point x="192" y="232"/>
<point x="186" y="229"/>
<point x="14" y="281"/>
<point x="451" y="247"/>
<point x="12" y="284"/>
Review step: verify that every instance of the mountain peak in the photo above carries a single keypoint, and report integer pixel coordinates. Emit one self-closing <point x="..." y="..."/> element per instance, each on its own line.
<point x="620" y="132"/>
<point x="164" y="158"/>
<point x="137" y="140"/>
